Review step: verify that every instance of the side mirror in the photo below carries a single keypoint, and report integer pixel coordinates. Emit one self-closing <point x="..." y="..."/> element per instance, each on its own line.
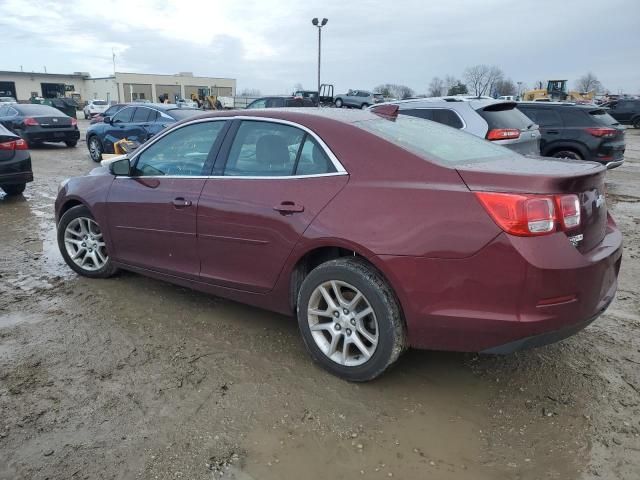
<point x="106" y="119"/>
<point x="120" y="167"/>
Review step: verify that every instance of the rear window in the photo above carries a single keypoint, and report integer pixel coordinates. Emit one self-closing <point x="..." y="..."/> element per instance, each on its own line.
<point x="575" y="117"/>
<point x="182" y="113"/>
<point x="99" y="102"/>
<point x="447" y="146"/>
<point x="602" y="117"/>
<point x="37" y="110"/>
<point x="545" y="117"/>
<point x="504" y="115"/>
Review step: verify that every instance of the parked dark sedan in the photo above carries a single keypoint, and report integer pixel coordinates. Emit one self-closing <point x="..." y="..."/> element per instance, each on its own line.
<point x="40" y="123"/>
<point x="379" y="231"/>
<point x="135" y="122"/>
<point x="279" y="102"/>
<point x="626" y="111"/>
<point x="580" y="132"/>
<point x="109" y="112"/>
<point x="15" y="163"/>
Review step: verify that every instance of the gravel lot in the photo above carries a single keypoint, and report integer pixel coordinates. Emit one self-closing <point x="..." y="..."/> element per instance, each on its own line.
<point x="134" y="378"/>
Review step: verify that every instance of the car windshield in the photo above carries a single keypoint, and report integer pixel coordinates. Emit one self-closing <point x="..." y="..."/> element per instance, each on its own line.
<point x="99" y="102"/>
<point x="433" y="141"/>
<point x="601" y="116"/>
<point x="182" y="113"/>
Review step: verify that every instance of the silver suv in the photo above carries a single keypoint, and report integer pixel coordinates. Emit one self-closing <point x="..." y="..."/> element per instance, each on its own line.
<point x="357" y="99"/>
<point x="496" y="120"/>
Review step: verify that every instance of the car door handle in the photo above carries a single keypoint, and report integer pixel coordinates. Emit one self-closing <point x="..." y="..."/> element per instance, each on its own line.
<point x="181" y="202"/>
<point x="287" y="208"/>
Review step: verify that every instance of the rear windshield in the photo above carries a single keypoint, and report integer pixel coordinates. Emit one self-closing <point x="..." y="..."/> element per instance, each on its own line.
<point x="431" y="140"/>
<point x="601" y="116"/>
<point x="35" y="109"/>
<point x="504" y="115"/>
<point x="99" y="102"/>
<point x="182" y="113"/>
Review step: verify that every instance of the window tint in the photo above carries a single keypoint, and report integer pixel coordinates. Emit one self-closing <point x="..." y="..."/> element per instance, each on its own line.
<point x="123" y="116"/>
<point x="504" y="115"/>
<point x="435" y="142"/>
<point x="544" y="117"/>
<point x="264" y="149"/>
<point x="363" y="94"/>
<point x="182" y="152"/>
<point x="424" y="113"/>
<point x="141" y="115"/>
<point x="313" y="160"/>
<point x="153" y="115"/>
<point x="262" y="103"/>
<point x="275" y="102"/>
<point x="440" y="115"/>
<point x="575" y="117"/>
<point x="602" y="117"/>
<point x="111" y="111"/>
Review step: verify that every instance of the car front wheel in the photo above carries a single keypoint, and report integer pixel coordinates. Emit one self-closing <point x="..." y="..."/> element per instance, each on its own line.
<point x="95" y="149"/>
<point x="82" y="244"/>
<point x="364" y="106"/>
<point x="350" y="320"/>
<point x="338" y="103"/>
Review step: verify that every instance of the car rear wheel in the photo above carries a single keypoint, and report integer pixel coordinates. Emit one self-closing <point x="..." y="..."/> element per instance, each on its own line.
<point x="95" y="149"/>
<point x="350" y="320"/>
<point x="364" y="106"/>
<point x="567" y="154"/>
<point x="338" y="103"/>
<point x="12" y="190"/>
<point x="71" y="144"/>
<point x="82" y="244"/>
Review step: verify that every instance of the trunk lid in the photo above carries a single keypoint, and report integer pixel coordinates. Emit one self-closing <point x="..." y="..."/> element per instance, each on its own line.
<point x="52" y="121"/>
<point x="548" y="176"/>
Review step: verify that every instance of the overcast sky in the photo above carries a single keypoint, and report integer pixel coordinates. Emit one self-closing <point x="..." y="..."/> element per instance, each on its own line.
<point x="271" y="45"/>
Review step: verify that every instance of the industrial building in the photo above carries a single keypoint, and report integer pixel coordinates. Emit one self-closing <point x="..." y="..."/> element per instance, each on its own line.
<point x="121" y="87"/>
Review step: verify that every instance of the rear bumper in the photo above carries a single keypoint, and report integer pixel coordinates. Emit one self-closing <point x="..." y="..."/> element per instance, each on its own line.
<point x="39" y="134"/>
<point x="615" y="164"/>
<point x="514" y="293"/>
<point x="17" y="170"/>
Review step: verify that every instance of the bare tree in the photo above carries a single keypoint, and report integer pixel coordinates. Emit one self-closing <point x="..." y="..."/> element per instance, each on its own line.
<point x="589" y="83"/>
<point x="250" y="92"/>
<point x="394" y="90"/>
<point x="481" y="79"/>
<point x="437" y="87"/>
<point x="505" y="87"/>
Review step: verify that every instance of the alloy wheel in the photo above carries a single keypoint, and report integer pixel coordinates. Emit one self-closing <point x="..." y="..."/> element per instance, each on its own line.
<point x="94" y="149"/>
<point x="343" y="323"/>
<point x="85" y="245"/>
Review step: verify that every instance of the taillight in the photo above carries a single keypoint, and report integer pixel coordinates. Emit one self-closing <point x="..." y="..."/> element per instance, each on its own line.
<point x="569" y="209"/>
<point x="30" y="121"/>
<point x="74" y="122"/>
<point x="602" y="132"/>
<point x="18" y="144"/>
<point x="530" y="215"/>
<point x="503" y="134"/>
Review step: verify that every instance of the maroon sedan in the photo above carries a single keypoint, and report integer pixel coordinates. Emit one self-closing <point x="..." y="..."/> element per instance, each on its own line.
<point x="379" y="232"/>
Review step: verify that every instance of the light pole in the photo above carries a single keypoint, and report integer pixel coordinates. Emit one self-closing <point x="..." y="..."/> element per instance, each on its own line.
<point x="319" y="24"/>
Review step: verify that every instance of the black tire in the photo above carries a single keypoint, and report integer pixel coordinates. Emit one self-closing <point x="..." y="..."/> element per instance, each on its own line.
<point x="390" y="323"/>
<point x="71" y="144"/>
<point x="73" y="213"/>
<point x="12" y="190"/>
<point x="570" y="154"/>
<point x="364" y="106"/>
<point x="95" y="148"/>
<point x="636" y="122"/>
<point x="339" y="103"/>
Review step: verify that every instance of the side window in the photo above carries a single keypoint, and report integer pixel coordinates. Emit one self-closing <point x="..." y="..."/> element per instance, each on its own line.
<point x="275" y="102"/>
<point x="182" y="152"/>
<point x="576" y="118"/>
<point x="264" y="149"/>
<point x="262" y="103"/>
<point x="543" y="116"/>
<point x="313" y="160"/>
<point x="153" y="115"/>
<point x="447" y="117"/>
<point x="123" y="116"/>
<point x="140" y="116"/>
<point x="425" y="113"/>
<point x="363" y="94"/>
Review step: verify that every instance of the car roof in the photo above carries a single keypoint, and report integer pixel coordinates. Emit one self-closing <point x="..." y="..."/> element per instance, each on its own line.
<point x="33" y="108"/>
<point x="560" y="104"/>
<point x="299" y="115"/>
<point x="474" y="102"/>
<point x="158" y="106"/>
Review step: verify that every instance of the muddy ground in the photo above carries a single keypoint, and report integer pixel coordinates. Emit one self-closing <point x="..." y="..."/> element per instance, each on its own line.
<point x="134" y="378"/>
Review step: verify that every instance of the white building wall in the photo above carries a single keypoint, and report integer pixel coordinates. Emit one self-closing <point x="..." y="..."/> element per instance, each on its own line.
<point x="101" y="88"/>
<point x="30" y="82"/>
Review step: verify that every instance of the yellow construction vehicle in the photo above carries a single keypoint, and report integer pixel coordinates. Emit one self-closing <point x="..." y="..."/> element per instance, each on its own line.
<point x="205" y="100"/>
<point x="556" y="91"/>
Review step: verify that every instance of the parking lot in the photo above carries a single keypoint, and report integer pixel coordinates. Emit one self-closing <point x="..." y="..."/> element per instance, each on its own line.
<point x="134" y="378"/>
